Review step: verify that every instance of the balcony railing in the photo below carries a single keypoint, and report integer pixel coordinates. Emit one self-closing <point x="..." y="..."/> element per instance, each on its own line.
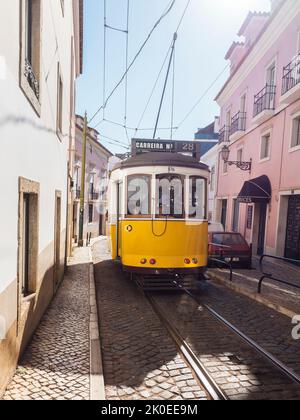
<point x="291" y="75"/>
<point x="94" y="196"/>
<point x="238" y="123"/>
<point x="32" y="80"/>
<point x="224" y="134"/>
<point x="264" y="100"/>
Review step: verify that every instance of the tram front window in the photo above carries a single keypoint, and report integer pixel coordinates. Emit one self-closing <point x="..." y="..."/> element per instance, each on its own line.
<point x="170" y="196"/>
<point x="197" y="198"/>
<point x="138" y="196"/>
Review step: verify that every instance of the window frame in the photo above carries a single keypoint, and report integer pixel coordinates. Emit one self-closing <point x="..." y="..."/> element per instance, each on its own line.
<point x="23" y="68"/>
<point x="264" y="136"/>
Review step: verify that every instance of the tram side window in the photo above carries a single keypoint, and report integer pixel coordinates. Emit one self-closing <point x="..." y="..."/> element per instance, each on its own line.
<point x="170" y="196"/>
<point x="138" y="196"/>
<point x="197" y="198"/>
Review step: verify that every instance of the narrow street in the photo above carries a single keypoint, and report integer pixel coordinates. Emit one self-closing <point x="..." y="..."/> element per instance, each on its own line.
<point x="150" y="218"/>
<point x="56" y="364"/>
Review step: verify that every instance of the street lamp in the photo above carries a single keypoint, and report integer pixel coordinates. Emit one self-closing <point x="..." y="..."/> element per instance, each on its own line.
<point x="244" y="166"/>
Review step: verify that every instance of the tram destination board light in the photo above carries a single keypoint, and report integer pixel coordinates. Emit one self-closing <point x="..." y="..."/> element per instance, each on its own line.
<point x="167" y="146"/>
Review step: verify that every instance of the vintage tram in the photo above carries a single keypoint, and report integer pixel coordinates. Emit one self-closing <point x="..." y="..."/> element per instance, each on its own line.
<point x="158" y="216"/>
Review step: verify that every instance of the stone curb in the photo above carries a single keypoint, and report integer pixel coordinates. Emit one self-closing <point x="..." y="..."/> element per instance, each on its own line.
<point x="97" y="387"/>
<point x="252" y="295"/>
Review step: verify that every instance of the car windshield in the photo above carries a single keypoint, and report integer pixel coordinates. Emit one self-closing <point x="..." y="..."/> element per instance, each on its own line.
<point x="228" y="239"/>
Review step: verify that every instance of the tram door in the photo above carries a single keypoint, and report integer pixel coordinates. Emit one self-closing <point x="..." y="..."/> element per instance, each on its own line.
<point x="119" y="217"/>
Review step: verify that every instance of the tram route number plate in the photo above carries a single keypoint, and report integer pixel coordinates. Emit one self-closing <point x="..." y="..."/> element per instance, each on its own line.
<point x="144" y="145"/>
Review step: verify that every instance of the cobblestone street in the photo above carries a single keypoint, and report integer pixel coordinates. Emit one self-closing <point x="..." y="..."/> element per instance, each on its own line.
<point x="56" y="364"/>
<point x="141" y="362"/>
<point x="140" y="359"/>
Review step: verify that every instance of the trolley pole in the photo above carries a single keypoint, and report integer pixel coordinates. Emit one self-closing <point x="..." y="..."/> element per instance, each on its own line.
<point x="82" y="191"/>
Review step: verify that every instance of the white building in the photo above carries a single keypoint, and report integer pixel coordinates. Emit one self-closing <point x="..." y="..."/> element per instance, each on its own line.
<point x="40" y="58"/>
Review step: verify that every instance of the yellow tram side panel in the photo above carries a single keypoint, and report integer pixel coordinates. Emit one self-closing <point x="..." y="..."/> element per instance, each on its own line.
<point x="170" y="243"/>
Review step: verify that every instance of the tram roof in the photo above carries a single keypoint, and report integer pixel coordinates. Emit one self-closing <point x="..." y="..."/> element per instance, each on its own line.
<point x="161" y="159"/>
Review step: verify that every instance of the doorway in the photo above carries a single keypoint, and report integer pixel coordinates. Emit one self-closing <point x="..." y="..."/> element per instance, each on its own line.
<point x="57" y="240"/>
<point x="224" y="213"/>
<point x="292" y="246"/>
<point x="262" y="228"/>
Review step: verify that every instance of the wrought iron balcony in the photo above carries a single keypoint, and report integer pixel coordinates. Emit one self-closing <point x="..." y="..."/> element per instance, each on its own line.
<point x="224" y="134"/>
<point x="291" y="75"/>
<point x="31" y="78"/>
<point x="93" y="196"/>
<point x="264" y="100"/>
<point x="238" y="123"/>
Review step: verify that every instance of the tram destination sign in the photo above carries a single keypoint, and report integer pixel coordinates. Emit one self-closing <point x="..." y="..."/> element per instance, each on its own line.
<point x="171" y="146"/>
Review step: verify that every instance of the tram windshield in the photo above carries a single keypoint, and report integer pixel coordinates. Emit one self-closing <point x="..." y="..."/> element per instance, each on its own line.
<point x="138" y="196"/>
<point x="170" y="196"/>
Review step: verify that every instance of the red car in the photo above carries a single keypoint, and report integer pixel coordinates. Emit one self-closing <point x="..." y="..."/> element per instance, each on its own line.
<point x="230" y="247"/>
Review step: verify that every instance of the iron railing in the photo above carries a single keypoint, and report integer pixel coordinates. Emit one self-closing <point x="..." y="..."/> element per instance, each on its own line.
<point x="238" y="123"/>
<point x="224" y="134"/>
<point x="291" y="75"/>
<point x="94" y="196"/>
<point x="271" y="276"/>
<point x="31" y="78"/>
<point x="264" y="100"/>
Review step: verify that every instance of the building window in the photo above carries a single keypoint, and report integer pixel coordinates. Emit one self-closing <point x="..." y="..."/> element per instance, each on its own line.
<point x="28" y="237"/>
<point x="60" y="90"/>
<point x="212" y="179"/>
<point x="91" y="213"/>
<point x="265" y="146"/>
<point x="240" y="155"/>
<point x="30" y="50"/>
<point x="225" y="167"/>
<point x="296" y="132"/>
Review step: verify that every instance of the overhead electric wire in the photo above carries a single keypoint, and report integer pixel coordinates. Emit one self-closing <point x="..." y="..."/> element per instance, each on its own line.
<point x="173" y="96"/>
<point x="104" y="58"/>
<point x="202" y="97"/>
<point x="165" y="13"/>
<point x="126" y="77"/>
<point x="165" y="86"/>
<point x="153" y="90"/>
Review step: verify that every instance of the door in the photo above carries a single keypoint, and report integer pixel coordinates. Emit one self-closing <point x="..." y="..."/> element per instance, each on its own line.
<point x="262" y="229"/>
<point x="57" y="240"/>
<point x="292" y="248"/>
<point x="224" y="213"/>
<point x="26" y="244"/>
<point x="119" y="216"/>
<point x="236" y="215"/>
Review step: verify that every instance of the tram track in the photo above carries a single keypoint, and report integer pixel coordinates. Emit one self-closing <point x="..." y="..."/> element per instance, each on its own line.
<point x="205" y="379"/>
<point x="204" y="376"/>
<point x="254" y="345"/>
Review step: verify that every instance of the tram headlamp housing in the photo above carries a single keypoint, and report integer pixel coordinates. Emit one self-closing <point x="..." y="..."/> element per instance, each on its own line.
<point x="152" y="261"/>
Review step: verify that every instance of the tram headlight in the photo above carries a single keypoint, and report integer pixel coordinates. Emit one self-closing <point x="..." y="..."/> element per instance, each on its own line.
<point x="152" y="261"/>
<point x="195" y="261"/>
<point x="187" y="261"/>
<point x="144" y="261"/>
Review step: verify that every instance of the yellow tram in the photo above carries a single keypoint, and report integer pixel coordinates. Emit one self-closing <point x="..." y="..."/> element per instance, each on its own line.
<point x="158" y="215"/>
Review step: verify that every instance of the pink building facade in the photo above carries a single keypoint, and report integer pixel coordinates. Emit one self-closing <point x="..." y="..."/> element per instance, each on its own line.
<point x="96" y="178"/>
<point x="260" y="120"/>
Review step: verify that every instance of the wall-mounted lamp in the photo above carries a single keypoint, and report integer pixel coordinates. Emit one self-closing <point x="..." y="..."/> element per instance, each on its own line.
<point x="244" y="166"/>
